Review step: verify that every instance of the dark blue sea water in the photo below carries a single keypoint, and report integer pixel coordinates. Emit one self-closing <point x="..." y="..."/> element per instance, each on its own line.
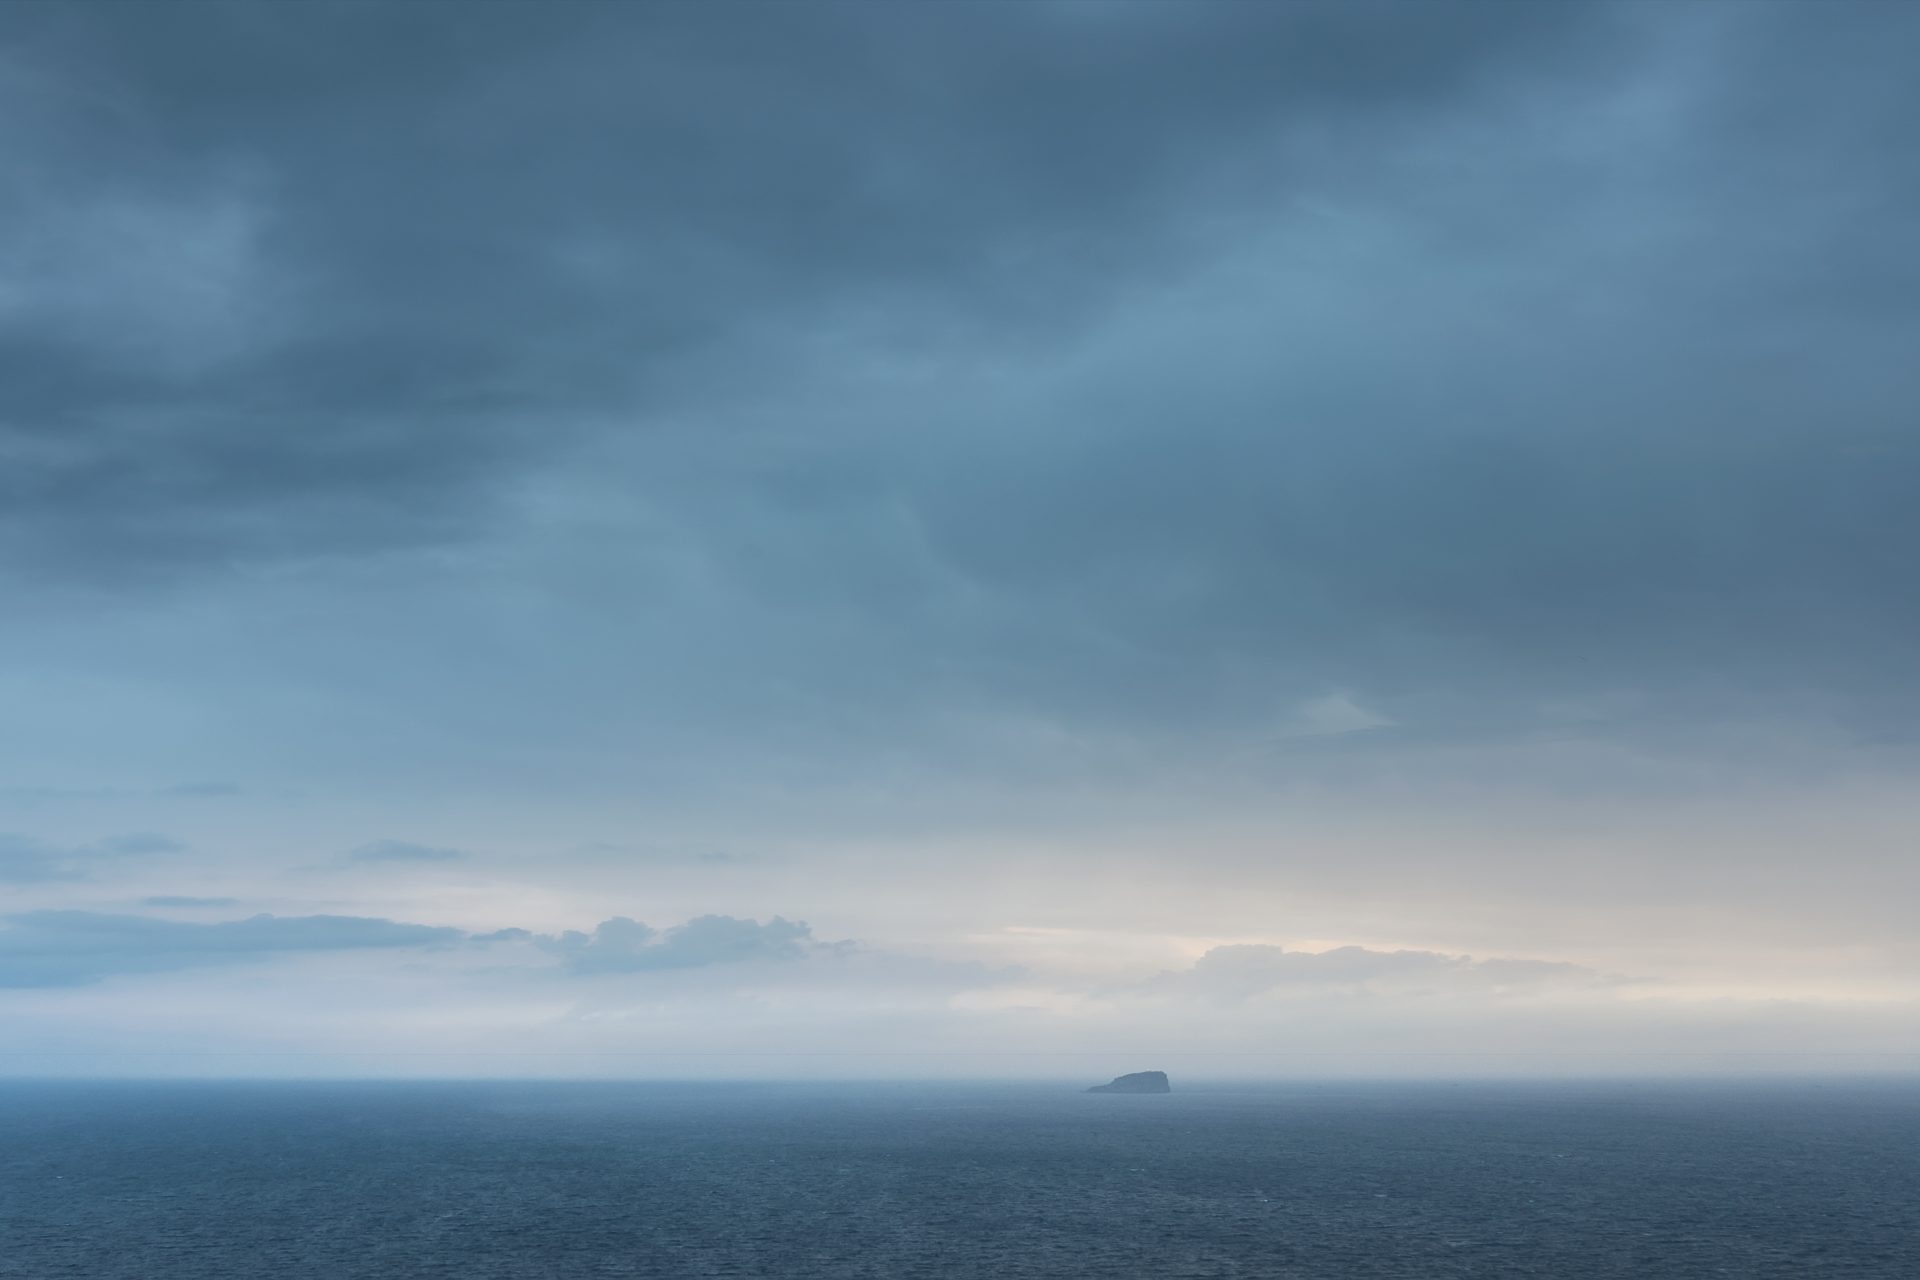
<point x="206" y="1181"/>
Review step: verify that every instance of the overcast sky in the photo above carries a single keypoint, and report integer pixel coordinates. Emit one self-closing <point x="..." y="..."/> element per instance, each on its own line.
<point x="1009" y="538"/>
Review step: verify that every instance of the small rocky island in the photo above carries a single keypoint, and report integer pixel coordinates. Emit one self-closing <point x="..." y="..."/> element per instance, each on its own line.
<point x="1138" y="1082"/>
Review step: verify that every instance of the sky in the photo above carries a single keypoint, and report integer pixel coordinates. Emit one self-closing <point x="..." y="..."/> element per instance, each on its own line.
<point x="951" y="539"/>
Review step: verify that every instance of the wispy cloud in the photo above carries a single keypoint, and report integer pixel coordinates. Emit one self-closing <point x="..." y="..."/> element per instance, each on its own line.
<point x="24" y="860"/>
<point x="405" y="851"/>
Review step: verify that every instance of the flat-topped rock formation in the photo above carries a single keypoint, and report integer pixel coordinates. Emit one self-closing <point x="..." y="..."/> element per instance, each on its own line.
<point x="1138" y="1082"/>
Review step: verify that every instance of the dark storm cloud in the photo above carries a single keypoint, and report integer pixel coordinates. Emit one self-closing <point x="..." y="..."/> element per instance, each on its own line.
<point x="318" y="278"/>
<point x="1464" y="358"/>
<point x="67" y="948"/>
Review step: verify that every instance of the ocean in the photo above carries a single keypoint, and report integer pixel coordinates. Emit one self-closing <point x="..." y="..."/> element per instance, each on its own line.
<point x="204" y="1181"/>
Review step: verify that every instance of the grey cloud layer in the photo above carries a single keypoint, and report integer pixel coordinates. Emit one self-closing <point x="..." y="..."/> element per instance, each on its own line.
<point x="64" y="948"/>
<point x="758" y="998"/>
<point x="56" y="948"/>
<point x="341" y="268"/>
<point x="1226" y="354"/>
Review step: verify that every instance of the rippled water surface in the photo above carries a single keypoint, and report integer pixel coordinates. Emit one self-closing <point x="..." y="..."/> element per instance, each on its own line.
<point x="207" y="1181"/>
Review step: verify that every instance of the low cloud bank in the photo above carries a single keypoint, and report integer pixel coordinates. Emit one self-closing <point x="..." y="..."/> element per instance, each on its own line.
<point x="68" y="948"/>
<point x="621" y="945"/>
<point x="1243" y="971"/>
